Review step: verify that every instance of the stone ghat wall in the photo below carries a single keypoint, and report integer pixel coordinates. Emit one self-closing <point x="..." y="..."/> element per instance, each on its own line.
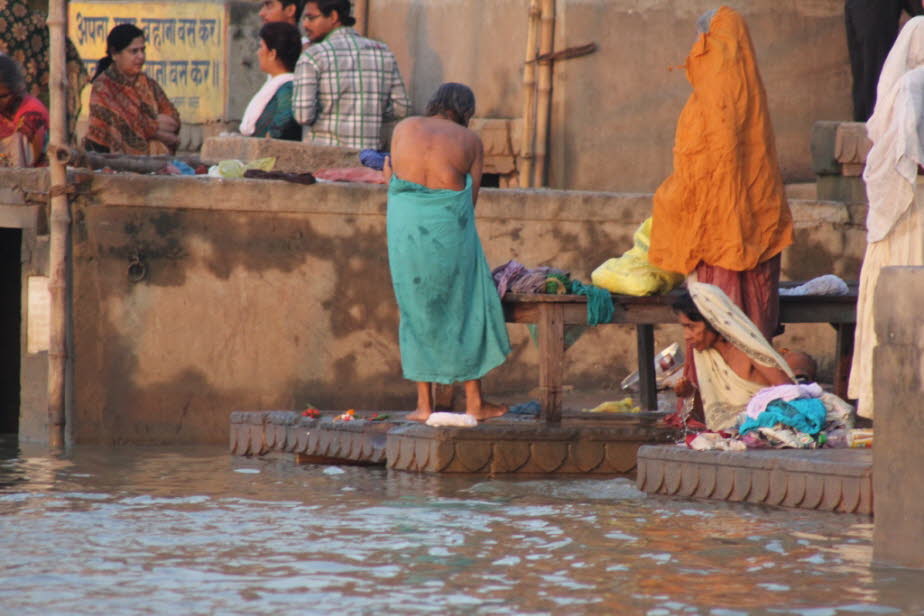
<point x="262" y="295"/>
<point x="614" y="112"/>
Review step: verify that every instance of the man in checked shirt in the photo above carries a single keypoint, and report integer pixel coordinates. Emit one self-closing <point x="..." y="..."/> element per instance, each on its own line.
<point x="346" y="85"/>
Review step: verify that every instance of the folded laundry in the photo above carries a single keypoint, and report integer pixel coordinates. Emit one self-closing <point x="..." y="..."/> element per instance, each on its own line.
<point x="761" y="399"/>
<point x="829" y="284"/>
<point x="374" y="159"/>
<point x="458" y="420"/>
<point x="804" y="415"/>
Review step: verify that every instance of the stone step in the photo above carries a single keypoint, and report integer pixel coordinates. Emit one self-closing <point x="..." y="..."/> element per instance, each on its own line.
<point x="581" y="444"/>
<point x="838" y="480"/>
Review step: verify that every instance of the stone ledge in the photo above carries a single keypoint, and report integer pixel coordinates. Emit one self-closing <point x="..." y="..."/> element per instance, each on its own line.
<point x="825" y="479"/>
<point x="291" y="156"/>
<point x="255" y="433"/>
<point x="522" y="447"/>
<point x="510" y="446"/>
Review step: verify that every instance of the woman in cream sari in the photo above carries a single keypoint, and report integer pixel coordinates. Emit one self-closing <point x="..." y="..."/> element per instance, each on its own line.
<point x="895" y="219"/>
<point x="733" y="359"/>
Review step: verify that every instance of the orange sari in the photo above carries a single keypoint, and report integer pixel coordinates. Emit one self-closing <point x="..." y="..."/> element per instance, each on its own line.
<point x="724" y="204"/>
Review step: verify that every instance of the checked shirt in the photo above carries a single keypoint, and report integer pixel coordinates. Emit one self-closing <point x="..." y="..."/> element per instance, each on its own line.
<point x="345" y="87"/>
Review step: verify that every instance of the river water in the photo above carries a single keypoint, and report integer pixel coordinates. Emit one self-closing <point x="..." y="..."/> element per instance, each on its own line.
<point x="196" y="531"/>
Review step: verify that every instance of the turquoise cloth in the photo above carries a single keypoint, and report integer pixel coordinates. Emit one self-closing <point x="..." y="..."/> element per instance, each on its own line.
<point x="600" y="306"/>
<point x="803" y="415"/>
<point x="452" y="323"/>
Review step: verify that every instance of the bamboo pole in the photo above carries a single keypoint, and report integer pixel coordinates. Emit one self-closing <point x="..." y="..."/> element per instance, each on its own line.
<point x="525" y="163"/>
<point x="546" y="43"/>
<point x="59" y="223"/>
<point x="361" y="13"/>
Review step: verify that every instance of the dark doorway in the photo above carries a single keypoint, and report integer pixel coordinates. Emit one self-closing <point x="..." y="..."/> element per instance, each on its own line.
<point x="10" y="319"/>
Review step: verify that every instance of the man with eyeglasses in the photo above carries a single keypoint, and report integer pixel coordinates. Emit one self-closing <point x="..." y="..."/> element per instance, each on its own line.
<point x="346" y="85"/>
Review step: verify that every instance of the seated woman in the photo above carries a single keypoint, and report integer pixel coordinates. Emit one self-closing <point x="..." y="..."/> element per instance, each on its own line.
<point x="23" y="120"/>
<point x="129" y="112"/>
<point x="733" y="359"/>
<point x="269" y="113"/>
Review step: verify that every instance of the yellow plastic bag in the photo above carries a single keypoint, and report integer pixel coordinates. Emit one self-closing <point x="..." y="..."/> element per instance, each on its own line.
<point x="231" y="169"/>
<point x="632" y="274"/>
<point x="626" y="405"/>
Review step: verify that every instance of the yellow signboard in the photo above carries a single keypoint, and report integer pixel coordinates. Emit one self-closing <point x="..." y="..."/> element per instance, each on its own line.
<point x="186" y="48"/>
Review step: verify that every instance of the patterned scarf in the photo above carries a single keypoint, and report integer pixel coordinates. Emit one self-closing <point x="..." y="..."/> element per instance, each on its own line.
<point x="123" y="114"/>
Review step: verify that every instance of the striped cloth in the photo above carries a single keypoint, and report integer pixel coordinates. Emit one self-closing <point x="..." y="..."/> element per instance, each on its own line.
<point x="345" y="87"/>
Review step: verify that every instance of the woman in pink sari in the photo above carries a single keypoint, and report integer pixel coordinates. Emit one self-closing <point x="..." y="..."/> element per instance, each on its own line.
<point x="23" y="120"/>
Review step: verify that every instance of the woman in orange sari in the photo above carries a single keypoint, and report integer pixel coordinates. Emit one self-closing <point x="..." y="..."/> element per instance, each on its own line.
<point x="23" y="120"/>
<point x="722" y="217"/>
<point x="129" y="112"/>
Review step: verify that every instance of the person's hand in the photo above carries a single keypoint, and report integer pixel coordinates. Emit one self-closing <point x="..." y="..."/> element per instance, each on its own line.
<point x="166" y="124"/>
<point x="683" y="388"/>
<point x="167" y="138"/>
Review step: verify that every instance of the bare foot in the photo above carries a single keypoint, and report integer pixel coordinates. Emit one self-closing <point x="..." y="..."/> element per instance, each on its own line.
<point x="488" y="410"/>
<point x="418" y="415"/>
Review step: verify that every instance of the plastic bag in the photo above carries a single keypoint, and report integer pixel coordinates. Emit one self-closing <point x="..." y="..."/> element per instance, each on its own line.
<point x="230" y="169"/>
<point x="632" y="274"/>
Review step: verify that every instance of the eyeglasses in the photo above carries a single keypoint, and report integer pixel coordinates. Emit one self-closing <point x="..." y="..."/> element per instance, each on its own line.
<point x="307" y="17"/>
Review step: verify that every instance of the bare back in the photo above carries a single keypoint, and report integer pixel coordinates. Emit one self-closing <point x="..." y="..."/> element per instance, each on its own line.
<point x="437" y="153"/>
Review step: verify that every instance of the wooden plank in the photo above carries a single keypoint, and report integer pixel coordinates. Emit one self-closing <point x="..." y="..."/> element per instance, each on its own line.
<point x="551" y="360"/>
<point x="646" y="372"/>
<point x="521" y="308"/>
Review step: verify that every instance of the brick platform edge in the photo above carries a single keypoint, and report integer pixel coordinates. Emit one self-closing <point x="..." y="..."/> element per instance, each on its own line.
<point x="837" y="480"/>
<point x="517" y="446"/>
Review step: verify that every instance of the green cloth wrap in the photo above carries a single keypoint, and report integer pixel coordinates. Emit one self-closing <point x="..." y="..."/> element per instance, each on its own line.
<point x="452" y="323"/>
<point x="600" y="306"/>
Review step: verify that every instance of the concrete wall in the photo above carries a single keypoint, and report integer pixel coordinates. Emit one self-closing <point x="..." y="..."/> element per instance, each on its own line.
<point x="614" y="112"/>
<point x="266" y="295"/>
<point x="898" y="379"/>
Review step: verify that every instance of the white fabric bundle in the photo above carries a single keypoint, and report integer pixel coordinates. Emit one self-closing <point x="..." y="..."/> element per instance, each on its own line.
<point x="897" y="132"/>
<point x="457" y="420"/>
<point x="828" y="284"/>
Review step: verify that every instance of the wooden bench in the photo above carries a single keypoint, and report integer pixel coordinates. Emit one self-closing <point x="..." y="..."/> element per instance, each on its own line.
<point x="552" y="312"/>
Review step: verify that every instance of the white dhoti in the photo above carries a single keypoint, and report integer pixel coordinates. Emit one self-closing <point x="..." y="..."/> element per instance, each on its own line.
<point x="904" y="245"/>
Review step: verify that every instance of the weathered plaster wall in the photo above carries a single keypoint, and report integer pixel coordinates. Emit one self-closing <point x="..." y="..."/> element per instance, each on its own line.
<point x="262" y="295"/>
<point x="614" y="112"/>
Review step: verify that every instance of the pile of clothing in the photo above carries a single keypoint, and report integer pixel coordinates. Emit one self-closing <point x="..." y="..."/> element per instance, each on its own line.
<point x="794" y="416"/>
<point x="517" y="278"/>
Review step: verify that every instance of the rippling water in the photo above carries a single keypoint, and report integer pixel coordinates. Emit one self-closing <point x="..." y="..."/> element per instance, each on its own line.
<point x="195" y="531"/>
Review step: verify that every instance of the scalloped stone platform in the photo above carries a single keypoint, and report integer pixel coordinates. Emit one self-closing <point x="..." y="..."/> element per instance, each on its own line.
<point x="595" y="445"/>
<point x="823" y="479"/>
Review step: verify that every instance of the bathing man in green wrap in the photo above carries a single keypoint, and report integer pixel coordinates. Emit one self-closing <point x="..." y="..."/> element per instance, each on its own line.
<point x="452" y="325"/>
